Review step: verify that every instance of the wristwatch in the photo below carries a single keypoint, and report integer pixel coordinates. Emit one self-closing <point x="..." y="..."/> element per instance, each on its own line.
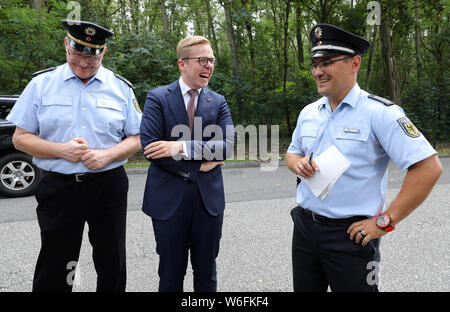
<point x="383" y="221"/>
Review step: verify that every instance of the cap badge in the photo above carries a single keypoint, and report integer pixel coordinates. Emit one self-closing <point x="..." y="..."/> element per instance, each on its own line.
<point x="88" y="39"/>
<point x="319" y="42"/>
<point x="318" y="32"/>
<point x="90" y="31"/>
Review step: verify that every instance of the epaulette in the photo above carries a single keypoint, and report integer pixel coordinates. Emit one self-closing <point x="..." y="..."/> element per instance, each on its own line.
<point x="43" y="71"/>
<point x="124" y="80"/>
<point x="380" y="99"/>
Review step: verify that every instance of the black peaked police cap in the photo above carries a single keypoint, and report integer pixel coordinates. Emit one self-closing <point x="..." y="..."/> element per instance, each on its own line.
<point x="87" y="37"/>
<point x="329" y="40"/>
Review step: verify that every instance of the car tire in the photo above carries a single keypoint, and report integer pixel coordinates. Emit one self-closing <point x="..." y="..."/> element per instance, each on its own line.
<point x="18" y="175"/>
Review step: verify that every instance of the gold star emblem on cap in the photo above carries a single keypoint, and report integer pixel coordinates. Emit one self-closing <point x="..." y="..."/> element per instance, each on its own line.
<point x="318" y="32"/>
<point x="90" y="31"/>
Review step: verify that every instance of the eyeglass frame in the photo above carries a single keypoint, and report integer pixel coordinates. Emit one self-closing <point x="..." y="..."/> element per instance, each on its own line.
<point x="87" y="58"/>
<point x="202" y="59"/>
<point x="329" y="62"/>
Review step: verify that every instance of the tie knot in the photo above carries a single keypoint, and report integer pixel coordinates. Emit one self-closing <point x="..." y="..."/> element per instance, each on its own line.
<point x="192" y="92"/>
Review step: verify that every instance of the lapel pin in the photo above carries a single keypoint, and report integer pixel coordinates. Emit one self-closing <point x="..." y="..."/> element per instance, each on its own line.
<point x="209" y="100"/>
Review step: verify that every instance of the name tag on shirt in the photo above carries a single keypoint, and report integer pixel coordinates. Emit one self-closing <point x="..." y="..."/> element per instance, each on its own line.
<point x="351" y="130"/>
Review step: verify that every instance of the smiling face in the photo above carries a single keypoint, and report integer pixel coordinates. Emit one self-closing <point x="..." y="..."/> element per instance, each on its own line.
<point x="336" y="80"/>
<point x="193" y="74"/>
<point x="83" y="65"/>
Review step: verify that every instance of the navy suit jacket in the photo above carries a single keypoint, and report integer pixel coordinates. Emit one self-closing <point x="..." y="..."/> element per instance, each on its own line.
<point x="167" y="177"/>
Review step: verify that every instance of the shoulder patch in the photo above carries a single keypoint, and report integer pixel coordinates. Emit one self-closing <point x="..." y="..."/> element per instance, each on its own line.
<point x="136" y="105"/>
<point x="124" y="80"/>
<point x="43" y="71"/>
<point x="408" y="127"/>
<point x="380" y="99"/>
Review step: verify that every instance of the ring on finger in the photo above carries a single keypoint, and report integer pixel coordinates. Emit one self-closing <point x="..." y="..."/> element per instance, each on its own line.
<point x="362" y="233"/>
<point x="300" y="166"/>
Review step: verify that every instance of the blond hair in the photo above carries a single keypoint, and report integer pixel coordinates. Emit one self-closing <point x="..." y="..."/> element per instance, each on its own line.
<point x="184" y="45"/>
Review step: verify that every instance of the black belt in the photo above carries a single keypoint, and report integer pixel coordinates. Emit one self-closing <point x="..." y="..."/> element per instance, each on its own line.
<point x="79" y="177"/>
<point x="325" y="220"/>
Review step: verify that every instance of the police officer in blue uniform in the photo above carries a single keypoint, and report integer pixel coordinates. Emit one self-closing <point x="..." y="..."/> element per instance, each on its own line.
<point x="81" y="122"/>
<point x="335" y="240"/>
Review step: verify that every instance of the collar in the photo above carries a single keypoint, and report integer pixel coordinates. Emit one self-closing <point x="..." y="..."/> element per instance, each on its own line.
<point x="351" y="98"/>
<point x="68" y="74"/>
<point x="185" y="88"/>
<point x="101" y="74"/>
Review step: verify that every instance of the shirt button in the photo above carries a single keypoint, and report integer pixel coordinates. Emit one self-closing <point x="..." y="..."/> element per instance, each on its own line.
<point x="83" y="108"/>
<point x="84" y="127"/>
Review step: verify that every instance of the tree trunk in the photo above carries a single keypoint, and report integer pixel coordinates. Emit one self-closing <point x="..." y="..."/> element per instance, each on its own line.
<point x="373" y="48"/>
<point x="248" y="27"/>
<point x="37" y="4"/>
<point x="276" y="38"/>
<point x="211" y="31"/>
<point x="298" y="34"/>
<point x="234" y="55"/>
<point x="198" y="21"/>
<point x="134" y="10"/>
<point x="165" y="20"/>
<point x="392" y="81"/>
<point x="287" y="112"/>
<point x="417" y="38"/>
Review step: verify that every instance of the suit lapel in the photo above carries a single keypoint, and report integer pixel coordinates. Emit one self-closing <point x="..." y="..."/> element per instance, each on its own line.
<point x="203" y="104"/>
<point x="176" y="103"/>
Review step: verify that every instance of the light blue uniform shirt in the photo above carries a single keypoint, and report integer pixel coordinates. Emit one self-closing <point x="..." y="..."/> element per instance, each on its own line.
<point x="58" y="107"/>
<point x="369" y="134"/>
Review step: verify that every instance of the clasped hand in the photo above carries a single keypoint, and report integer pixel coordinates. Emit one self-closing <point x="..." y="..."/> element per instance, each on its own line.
<point x="77" y="150"/>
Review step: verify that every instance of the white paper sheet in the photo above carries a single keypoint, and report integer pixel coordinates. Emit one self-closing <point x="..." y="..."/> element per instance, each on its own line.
<point x="332" y="164"/>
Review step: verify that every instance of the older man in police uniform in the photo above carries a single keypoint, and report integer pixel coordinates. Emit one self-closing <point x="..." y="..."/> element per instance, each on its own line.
<point x="335" y="240"/>
<point x="80" y="121"/>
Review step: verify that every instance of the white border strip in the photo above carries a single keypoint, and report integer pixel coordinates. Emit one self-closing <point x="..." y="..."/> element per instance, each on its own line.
<point x="332" y="47"/>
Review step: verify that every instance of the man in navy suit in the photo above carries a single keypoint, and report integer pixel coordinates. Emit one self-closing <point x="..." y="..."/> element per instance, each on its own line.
<point x="186" y="133"/>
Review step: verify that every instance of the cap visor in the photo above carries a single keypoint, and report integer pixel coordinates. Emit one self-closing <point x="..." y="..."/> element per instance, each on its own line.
<point x="84" y="49"/>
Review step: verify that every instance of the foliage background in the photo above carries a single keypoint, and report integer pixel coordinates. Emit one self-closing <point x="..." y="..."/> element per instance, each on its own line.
<point x="262" y="47"/>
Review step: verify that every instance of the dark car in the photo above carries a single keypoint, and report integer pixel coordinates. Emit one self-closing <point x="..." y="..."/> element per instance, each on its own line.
<point x="6" y="104"/>
<point x="18" y="175"/>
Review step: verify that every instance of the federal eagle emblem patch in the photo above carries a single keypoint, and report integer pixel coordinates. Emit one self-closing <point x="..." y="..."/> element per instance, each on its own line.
<point x="408" y="127"/>
<point x="136" y="105"/>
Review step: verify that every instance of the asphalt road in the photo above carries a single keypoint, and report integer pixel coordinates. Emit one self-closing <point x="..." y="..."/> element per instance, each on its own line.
<point x="255" y="247"/>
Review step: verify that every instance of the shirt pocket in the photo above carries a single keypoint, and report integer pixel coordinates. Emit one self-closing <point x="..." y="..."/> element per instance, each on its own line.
<point x="308" y="135"/>
<point x="352" y="133"/>
<point x="109" y="105"/>
<point x="111" y="116"/>
<point x="56" y="101"/>
<point x="56" y="112"/>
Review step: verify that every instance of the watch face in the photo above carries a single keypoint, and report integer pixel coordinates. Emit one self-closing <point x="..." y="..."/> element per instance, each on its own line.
<point x="383" y="220"/>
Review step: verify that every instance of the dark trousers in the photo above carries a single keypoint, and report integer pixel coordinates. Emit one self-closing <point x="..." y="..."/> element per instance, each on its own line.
<point x="323" y="255"/>
<point x="192" y="229"/>
<point x="64" y="206"/>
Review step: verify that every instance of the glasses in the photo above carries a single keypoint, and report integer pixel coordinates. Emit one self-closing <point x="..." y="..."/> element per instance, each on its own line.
<point x="87" y="58"/>
<point x="202" y="60"/>
<point x="327" y="63"/>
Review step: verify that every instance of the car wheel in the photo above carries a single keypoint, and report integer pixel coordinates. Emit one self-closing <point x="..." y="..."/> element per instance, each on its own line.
<point x="18" y="175"/>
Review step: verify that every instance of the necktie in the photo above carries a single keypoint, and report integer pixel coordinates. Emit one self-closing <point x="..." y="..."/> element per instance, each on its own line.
<point x="191" y="108"/>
